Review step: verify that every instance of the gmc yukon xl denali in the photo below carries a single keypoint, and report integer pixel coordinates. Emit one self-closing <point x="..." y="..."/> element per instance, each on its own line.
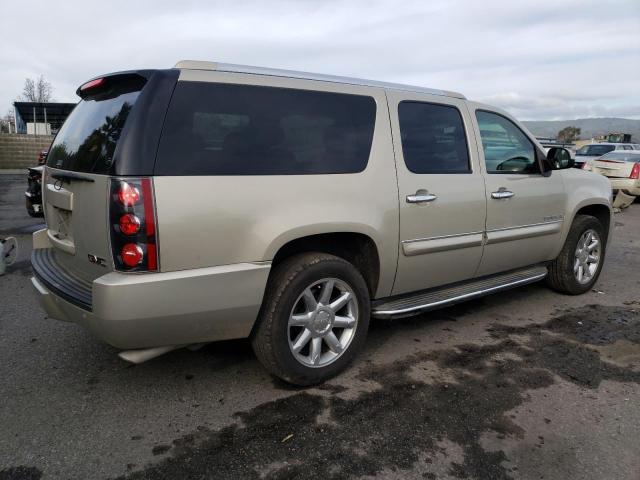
<point x="211" y="201"/>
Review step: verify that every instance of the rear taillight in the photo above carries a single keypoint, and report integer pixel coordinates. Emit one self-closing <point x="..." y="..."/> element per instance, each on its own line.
<point x="635" y="171"/>
<point x="586" y="166"/>
<point x="133" y="225"/>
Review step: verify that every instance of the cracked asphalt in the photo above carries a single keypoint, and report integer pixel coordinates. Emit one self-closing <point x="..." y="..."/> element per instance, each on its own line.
<point x="527" y="384"/>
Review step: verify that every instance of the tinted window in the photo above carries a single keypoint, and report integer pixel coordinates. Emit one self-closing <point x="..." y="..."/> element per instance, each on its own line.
<point x="506" y="148"/>
<point x="87" y="140"/>
<point x="221" y="129"/>
<point x="433" y="138"/>
<point x="595" y="150"/>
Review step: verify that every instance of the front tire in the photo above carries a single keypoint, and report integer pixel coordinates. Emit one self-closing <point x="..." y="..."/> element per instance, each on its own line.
<point x="579" y="264"/>
<point x="314" y="318"/>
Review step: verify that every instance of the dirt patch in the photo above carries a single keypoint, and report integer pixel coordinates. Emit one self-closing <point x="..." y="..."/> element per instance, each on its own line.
<point x="20" y="473"/>
<point x="406" y="420"/>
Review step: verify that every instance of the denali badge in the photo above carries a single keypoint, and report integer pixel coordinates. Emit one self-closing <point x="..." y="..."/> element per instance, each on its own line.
<point x="97" y="260"/>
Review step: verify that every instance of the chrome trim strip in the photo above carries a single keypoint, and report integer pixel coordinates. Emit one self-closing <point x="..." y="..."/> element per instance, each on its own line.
<point x="466" y="296"/>
<point x="442" y="236"/>
<point x="444" y="243"/>
<point x="524" y="226"/>
<point x="508" y="234"/>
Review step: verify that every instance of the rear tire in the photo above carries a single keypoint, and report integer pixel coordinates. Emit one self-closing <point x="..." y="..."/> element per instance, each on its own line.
<point x="579" y="264"/>
<point x="314" y="318"/>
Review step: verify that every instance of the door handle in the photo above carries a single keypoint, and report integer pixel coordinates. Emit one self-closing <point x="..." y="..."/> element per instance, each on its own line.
<point x="421" y="196"/>
<point x="502" y="193"/>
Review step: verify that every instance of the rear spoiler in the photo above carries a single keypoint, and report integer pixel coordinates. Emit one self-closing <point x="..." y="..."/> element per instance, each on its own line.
<point x="113" y="84"/>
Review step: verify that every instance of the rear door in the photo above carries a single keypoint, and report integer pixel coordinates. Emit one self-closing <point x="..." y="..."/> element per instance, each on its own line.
<point x="525" y="207"/>
<point x="442" y="194"/>
<point x="76" y="183"/>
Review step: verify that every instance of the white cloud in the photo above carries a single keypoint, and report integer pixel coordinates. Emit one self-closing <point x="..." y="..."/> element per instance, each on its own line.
<point x="542" y="59"/>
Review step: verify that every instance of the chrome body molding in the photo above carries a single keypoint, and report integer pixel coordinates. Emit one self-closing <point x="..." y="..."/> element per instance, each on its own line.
<point x="508" y="234"/>
<point x="421" y="246"/>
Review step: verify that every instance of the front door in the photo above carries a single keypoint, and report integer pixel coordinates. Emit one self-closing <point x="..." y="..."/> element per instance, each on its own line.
<point x="524" y="205"/>
<point x="441" y="190"/>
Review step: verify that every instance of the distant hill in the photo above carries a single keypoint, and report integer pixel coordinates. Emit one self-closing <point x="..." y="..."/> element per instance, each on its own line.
<point x="589" y="126"/>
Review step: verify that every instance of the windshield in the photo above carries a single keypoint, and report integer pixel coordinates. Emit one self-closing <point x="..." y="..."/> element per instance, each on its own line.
<point x="87" y="140"/>
<point x="595" y="150"/>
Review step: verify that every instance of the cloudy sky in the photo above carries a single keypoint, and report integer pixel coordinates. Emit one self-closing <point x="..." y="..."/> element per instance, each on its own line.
<point x="542" y="59"/>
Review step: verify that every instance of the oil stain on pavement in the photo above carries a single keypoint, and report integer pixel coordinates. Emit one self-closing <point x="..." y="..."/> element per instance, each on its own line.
<point x="408" y="414"/>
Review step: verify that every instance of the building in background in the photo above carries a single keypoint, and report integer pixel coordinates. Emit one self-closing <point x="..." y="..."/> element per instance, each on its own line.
<point x="40" y="118"/>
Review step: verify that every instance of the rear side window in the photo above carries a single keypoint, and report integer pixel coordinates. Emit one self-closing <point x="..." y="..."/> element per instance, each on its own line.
<point x="87" y="140"/>
<point x="433" y="138"/>
<point x="224" y="129"/>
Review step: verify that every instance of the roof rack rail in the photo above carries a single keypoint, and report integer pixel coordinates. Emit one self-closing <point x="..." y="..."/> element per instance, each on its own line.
<point x="228" y="67"/>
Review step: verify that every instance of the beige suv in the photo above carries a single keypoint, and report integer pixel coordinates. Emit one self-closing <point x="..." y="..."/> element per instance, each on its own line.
<point x="212" y="201"/>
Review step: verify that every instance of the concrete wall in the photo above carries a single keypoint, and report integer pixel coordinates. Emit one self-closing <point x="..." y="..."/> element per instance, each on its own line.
<point x="21" y="151"/>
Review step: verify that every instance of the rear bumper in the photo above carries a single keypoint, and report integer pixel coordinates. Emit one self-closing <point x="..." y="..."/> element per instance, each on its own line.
<point x="132" y="311"/>
<point x="627" y="184"/>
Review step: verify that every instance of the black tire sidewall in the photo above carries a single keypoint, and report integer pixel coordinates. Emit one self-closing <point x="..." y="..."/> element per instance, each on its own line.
<point x="296" y="372"/>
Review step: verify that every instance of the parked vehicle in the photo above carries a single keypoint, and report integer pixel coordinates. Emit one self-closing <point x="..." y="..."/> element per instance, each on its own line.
<point x="212" y="201"/>
<point x="590" y="152"/>
<point x="622" y="169"/>
<point x="33" y="194"/>
<point x="42" y="157"/>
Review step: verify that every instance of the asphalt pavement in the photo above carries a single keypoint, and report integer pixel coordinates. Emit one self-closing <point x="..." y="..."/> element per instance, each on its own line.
<point x="526" y="384"/>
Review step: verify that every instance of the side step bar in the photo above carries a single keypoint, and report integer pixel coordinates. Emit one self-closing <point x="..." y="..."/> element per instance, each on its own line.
<point x="416" y="303"/>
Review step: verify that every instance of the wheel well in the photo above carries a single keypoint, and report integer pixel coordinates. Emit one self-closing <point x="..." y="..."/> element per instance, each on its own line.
<point x="601" y="212"/>
<point x="356" y="248"/>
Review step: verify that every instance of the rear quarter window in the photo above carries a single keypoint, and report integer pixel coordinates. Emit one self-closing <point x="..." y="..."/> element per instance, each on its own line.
<point x="225" y="129"/>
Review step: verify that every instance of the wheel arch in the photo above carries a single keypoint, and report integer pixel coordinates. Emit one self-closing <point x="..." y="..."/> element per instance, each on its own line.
<point x="358" y="248"/>
<point x="598" y="209"/>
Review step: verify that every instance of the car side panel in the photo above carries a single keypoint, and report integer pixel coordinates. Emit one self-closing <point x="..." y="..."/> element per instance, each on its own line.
<point x="206" y="221"/>
<point x="584" y="189"/>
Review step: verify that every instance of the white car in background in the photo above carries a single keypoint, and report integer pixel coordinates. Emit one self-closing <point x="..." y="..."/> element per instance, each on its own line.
<point x="590" y="152"/>
<point x="622" y="168"/>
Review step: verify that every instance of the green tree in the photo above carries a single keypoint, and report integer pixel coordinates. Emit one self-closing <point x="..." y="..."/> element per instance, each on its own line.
<point x="569" y="134"/>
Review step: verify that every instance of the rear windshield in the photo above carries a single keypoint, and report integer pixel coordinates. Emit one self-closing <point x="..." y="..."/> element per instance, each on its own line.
<point x="622" y="156"/>
<point x="593" y="150"/>
<point x="87" y="140"/>
<point x="223" y="129"/>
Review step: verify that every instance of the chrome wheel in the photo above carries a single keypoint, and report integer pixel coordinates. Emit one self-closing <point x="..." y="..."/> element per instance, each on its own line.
<point x="587" y="256"/>
<point x="322" y="322"/>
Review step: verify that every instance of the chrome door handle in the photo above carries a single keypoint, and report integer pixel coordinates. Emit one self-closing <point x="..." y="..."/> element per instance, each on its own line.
<point x="502" y="193"/>
<point x="421" y="196"/>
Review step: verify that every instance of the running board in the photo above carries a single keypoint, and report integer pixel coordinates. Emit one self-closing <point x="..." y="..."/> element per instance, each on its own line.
<point x="416" y="303"/>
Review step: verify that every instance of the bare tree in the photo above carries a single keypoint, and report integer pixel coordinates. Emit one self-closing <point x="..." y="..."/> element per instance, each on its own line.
<point x="7" y="123"/>
<point x="37" y="90"/>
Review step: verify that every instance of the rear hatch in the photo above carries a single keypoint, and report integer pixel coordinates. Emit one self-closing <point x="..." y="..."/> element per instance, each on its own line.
<point x="112" y="132"/>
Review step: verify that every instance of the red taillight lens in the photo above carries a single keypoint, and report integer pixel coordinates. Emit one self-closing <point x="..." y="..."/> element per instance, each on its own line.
<point x="92" y="84"/>
<point x="133" y="225"/>
<point x="129" y="224"/>
<point x="128" y="194"/>
<point x="635" y="171"/>
<point x="131" y="254"/>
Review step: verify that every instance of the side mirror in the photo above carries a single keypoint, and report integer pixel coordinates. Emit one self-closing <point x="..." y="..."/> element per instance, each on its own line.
<point x="559" y="158"/>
